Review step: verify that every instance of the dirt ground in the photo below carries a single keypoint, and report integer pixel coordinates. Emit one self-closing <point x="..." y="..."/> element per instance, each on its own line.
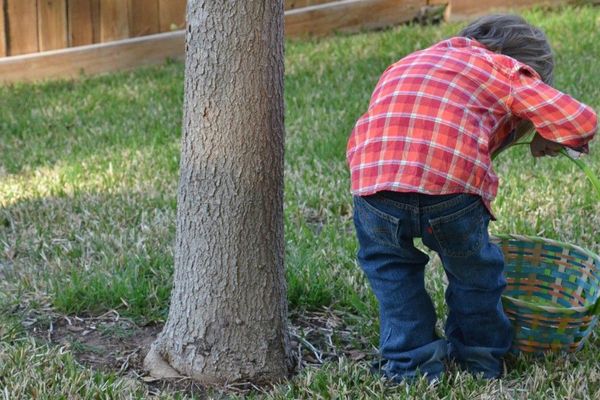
<point x="115" y="344"/>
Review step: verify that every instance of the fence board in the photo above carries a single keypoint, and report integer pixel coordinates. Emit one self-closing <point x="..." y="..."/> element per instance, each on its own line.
<point x="2" y="30"/>
<point x="143" y="17"/>
<point x="93" y="59"/>
<point x="79" y="21"/>
<point x="95" y="10"/>
<point x="350" y="15"/>
<point x="52" y="24"/>
<point x="114" y="20"/>
<point x="466" y="8"/>
<point x="291" y="4"/>
<point x="171" y="14"/>
<point x="22" y="33"/>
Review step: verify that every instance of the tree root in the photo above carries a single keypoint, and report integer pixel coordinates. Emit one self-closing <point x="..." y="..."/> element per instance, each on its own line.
<point x="156" y="365"/>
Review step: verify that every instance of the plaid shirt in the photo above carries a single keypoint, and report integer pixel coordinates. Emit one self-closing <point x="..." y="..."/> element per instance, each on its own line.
<point x="437" y="115"/>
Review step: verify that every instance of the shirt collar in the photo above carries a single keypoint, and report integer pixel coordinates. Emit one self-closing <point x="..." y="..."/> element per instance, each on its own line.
<point x="461" y="42"/>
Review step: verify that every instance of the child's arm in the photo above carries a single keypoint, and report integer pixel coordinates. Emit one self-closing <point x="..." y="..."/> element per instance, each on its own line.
<point x="558" y="118"/>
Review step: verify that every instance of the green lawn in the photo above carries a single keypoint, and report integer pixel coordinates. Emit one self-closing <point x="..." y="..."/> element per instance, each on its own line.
<point x="88" y="179"/>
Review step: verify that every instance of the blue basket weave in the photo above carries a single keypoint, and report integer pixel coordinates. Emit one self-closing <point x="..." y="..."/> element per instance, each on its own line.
<point x="553" y="293"/>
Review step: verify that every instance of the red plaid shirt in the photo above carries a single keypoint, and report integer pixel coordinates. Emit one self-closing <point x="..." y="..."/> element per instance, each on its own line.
<point x="437" y="115"/>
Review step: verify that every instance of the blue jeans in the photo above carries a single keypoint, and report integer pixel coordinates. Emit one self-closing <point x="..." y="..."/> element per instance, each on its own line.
<point x="478" y="332"/>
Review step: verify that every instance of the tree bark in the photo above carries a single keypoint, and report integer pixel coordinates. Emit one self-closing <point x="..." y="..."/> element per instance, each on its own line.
<point x="228" y="312"/>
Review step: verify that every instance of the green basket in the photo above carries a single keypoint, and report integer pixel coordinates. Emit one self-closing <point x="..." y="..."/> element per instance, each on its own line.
<point x="553" y="293"/>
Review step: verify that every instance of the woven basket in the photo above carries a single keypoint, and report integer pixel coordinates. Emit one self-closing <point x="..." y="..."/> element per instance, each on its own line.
<point x="553" y="293"/>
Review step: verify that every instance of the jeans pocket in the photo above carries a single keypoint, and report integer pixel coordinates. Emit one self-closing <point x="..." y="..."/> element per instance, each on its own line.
<point x="378" y="225"/>
<point x="461" y="233"/>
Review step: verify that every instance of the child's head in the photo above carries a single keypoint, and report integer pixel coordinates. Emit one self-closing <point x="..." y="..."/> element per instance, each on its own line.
<point x="511" y="35"/>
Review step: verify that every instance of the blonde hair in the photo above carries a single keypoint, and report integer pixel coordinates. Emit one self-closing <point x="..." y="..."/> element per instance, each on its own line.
<point x="511" y="35"/>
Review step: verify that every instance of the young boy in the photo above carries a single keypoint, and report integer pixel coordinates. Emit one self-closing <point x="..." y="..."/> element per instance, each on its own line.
<point x="420" y="161"/>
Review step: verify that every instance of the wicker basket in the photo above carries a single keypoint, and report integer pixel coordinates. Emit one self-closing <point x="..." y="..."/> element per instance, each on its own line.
<point x="553" y="293"/>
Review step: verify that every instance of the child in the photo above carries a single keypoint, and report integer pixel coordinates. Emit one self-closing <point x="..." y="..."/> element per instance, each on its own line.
<point x="420" y="161"/>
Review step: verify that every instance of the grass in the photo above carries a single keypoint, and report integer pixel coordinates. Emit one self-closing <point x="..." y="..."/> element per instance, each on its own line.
<point x="88" y="178"/>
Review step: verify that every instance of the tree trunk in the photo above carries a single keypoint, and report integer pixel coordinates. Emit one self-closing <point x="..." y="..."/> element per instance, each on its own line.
<point x="227" y="319"/>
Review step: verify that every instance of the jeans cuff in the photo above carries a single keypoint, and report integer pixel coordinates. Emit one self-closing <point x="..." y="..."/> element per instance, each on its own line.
<point x="410" y="365"/>
<point x="486" y="361"/>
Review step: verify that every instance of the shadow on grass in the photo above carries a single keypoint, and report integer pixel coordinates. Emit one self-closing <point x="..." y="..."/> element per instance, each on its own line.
<point x="91" y="253"/>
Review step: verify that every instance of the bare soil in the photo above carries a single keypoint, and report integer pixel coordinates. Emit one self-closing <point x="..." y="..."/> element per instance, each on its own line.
<point x="114" y="344"/>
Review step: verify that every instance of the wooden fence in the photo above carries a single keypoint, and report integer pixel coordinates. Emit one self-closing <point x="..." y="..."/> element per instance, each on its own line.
<point x="461" y="9"/>
<point x="42" y="39"/>
<point x="29" y="26"/>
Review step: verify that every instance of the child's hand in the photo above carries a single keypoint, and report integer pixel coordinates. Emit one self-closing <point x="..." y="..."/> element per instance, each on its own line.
<point x="542" y="147"/>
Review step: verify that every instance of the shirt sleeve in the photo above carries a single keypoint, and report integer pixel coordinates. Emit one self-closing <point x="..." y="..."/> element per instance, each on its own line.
<point x="556" y="116"/>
